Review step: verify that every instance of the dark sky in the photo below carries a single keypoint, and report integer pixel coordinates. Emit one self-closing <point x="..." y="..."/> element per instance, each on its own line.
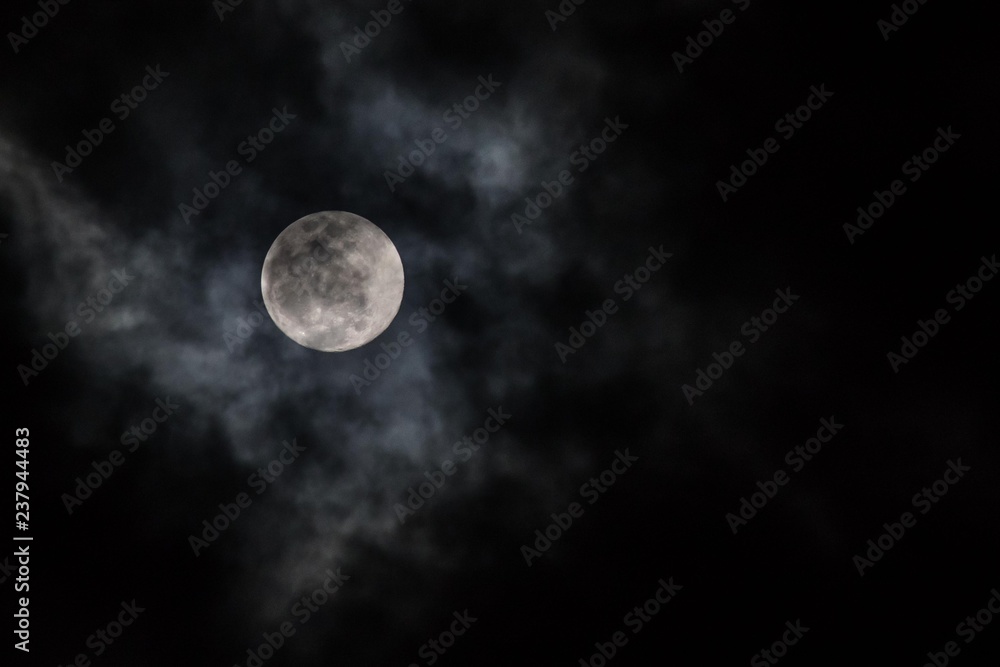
<point x="628" y="158"/>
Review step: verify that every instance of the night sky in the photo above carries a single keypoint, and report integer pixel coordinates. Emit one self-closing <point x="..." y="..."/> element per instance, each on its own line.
<point x="696" y="357"/>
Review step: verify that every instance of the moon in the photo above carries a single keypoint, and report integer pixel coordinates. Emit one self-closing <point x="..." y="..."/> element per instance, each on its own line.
<point x="332" y="281"/>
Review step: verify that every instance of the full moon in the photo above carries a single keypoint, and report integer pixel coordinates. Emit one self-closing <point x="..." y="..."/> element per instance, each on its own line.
<point x="332" y="281"/>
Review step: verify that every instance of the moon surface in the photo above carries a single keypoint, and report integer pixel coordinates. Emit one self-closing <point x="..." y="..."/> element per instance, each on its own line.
<point x="332" y="281"/>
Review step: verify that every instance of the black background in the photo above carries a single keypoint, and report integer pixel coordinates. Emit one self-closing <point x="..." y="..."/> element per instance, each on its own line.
<point x="163" y="336"/>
